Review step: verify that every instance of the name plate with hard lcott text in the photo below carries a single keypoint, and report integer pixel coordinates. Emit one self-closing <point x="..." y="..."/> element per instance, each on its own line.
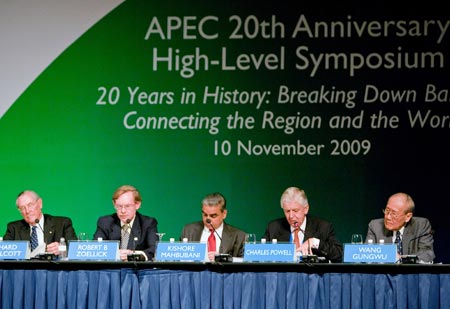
<point x="105" y="250"/>
<point x="181" y="251"/>
<point x="14" y="250"/>
<point x="370" y="253"/>
<point x="269" y="252"/>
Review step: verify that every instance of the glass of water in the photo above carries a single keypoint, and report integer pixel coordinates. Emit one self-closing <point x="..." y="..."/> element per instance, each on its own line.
<point x="250" y="238"/>
<point x="82" y="236"/>
<point x="357" y="239"/>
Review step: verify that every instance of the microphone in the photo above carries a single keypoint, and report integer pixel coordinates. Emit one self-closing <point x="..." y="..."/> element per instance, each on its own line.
<point x="40" y="227"/>
<point x="420" y="236"/>
<point x="221" y="257"/>
<point x="134" y="256"/>
<point x="215" y="232"/>
<point x="412" y="258"/>
<point x="45" y="255"/>
<point x="131" y="236"/>
<point x="310" y="257"/>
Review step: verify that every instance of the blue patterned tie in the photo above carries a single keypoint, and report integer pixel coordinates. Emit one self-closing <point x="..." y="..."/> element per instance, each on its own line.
<point x="398" y="241"/>
<point x="34" y="238"/>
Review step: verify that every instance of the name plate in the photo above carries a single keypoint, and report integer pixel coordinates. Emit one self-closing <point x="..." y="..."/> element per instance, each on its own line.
<point x="365" y="253"/>
<point x="181" y="251"/>
<point x="106" y="250"/>
<point x="14" y="250"/>
<point x="269" y="252"/>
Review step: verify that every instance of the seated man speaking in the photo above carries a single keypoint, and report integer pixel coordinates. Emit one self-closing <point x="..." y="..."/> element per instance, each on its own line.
<point x="220" y="236"/>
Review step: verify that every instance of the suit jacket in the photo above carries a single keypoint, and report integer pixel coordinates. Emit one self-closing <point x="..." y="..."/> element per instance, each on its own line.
<point x="144" y="228"/>
<point x="417" y="226"/>
<point x="54" y="228"/>
<point x="233" y="239"/>
<point x="329" y="246"/>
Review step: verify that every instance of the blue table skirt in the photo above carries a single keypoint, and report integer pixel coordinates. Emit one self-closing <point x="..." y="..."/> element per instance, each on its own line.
<point x="128" y="288"/>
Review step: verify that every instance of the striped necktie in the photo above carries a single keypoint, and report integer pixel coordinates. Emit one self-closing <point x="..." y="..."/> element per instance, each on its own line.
<point x="34" y="239"/>
<point x="398" y="241"/>
<point x="125" y="236"/>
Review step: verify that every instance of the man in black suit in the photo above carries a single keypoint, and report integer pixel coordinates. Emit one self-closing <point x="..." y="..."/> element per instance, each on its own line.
<point x="136" y="232"/>
<point x="415" y="235"/>
<point x="227" y="239"/>
<point x="49" y="229"/>
<point x="311" y="235"/>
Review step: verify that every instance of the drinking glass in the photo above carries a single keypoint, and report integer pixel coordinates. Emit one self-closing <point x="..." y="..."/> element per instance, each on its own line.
<point x="250" y="238"/>
<point x="82" y="236"/>
<point x="357" y="239"/>
<point x="160" y="236"/>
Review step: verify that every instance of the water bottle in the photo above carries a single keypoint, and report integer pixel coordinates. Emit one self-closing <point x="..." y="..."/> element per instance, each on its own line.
<point x="298" y="257"/>
<point x="62" y="248"/>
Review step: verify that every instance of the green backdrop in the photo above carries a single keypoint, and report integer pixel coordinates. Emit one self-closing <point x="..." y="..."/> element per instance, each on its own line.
<point x="349" y="102"/>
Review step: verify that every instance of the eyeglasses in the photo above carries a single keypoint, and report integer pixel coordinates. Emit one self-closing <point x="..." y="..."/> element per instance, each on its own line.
<point x="125" y="207"/>
<point x="28" y="206"/>
<point x="394" y="215"/>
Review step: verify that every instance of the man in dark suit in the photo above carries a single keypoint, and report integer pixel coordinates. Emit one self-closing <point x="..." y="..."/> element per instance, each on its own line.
<point x="136" y="232"/>
<point x="226" y="238"/>
<point x="311" y="235"/>
<point x="415" y="235"/>
<point x="48" y="229"/>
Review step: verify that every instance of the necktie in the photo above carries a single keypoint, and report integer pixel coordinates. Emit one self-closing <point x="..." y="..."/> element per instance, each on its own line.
<point x="34" y="238"/>
<point x="398" y="241"/>
<point x="296" y="239"/>
<point x="125" y="236"/>
<point x="211" y="241"/>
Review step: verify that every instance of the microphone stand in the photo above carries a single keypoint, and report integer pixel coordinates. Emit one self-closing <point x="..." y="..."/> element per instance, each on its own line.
<point x="221" y="257"/>
<point x="46" y="256"/>
<point x="309" y="258"/>
<point x="412" y="258"/>
<point x="134" y="257"/>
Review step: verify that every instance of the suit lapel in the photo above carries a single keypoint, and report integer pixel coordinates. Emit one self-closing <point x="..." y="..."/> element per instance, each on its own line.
<point x="197" y="232"/>
<point x="408" y="234"/>
<point x="49" y="228"/>
<point x="387" y="236"/>
<point x="25" y="231"/>
<point x="284" y="233"/>
<point x="226" y="239"/>
<point x="135" y="230"/>
<point x="310" y="229"/>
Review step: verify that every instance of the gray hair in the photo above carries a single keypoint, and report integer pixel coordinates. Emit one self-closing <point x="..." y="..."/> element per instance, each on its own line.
<point x="294" y="194"/>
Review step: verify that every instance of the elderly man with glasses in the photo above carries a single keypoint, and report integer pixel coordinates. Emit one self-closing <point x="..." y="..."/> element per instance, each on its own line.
<point x="413" y="235"/>
<point x="42" y="230"/>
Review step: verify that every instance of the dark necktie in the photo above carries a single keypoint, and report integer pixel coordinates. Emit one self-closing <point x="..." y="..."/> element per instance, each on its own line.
<point x="125" y="236"/>
<point x="398" y="241"/>
<point x="34" y="238"/>
<point x="211" y="241"/>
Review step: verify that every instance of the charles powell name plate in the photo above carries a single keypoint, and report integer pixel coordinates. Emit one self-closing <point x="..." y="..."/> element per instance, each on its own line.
<point x="269" y="252"/>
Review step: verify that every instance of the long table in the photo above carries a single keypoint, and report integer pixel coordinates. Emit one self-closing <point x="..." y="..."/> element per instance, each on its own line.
<point x="70" y="284"/>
